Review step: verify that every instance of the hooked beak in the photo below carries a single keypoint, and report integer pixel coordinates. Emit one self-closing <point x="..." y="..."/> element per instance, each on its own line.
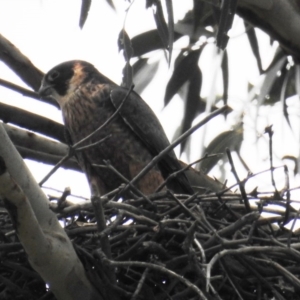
<point x="45" y="90"/>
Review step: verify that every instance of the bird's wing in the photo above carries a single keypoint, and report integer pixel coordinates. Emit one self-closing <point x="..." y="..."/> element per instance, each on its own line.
<point x="143" y="122"/>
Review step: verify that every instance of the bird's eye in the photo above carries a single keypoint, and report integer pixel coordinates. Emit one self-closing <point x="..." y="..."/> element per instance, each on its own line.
<point x="54" y="75"/>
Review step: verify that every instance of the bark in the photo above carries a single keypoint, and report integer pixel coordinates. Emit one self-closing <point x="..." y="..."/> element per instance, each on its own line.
<point x="20" y="64"/>
<point x="49" y="249"/>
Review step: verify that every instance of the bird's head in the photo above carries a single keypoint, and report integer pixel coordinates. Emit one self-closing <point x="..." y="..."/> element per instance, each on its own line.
<point x="65" y="78"/>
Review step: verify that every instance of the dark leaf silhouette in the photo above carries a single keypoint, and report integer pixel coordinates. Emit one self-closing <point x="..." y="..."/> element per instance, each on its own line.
<point x="251" y="34"/>
<point x="192" y="102"/>
<point x="197" y="11"/>
<point x="229" y="139"/>
<point x="182" y="73"/>
<point x="295" y="160"/>
<point x="149" y="3"/>
<point x="170" y="27"/>
<point x="148" y="41"/>
<point x="111" y="4"/>
<point x="143" y="74"/>
<point x="161" y="24"/>
<point x="283" y="96"/>
<point x="227" y="14"/>
<point x="124" y="44"/>
<point x="138" y="65"/>
<point x="225" y="73"/>
<point x="271" y="76"/>
<point x="85" y="7"/>
<point x="127" y="75"/>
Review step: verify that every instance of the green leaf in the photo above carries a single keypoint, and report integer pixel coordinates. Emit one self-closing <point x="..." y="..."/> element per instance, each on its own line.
<point x="85" y="7"/>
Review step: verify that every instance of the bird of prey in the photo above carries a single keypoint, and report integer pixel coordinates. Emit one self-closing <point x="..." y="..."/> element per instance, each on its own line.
<point x="132" y="138"/>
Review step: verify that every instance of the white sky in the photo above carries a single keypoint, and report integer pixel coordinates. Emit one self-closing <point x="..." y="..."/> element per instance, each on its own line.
<point x="47" y="32"/>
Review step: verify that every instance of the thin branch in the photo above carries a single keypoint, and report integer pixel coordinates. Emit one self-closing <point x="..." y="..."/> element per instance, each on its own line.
<point x="270" y="133"/>
<point x="125" y="180"/>
<point x="111" y="118"/>
<point x="241" y="184"/>
<point x="158" y="268"/>
<point x="140" y="285"/>
<point x="160" y="156"/>
<point x="26" y="92"/>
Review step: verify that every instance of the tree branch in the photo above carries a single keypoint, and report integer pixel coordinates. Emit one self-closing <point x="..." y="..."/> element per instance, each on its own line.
<point x="20" y="64"/>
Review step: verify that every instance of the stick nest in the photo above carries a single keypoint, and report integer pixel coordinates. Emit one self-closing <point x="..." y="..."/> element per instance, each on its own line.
<point x="207" y="246"/>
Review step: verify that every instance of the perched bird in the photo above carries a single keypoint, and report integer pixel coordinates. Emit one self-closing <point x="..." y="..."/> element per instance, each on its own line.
<point x="132" y="138"/>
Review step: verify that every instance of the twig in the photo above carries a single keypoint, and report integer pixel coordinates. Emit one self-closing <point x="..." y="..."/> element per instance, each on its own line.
<point x="56" y="167"/>
<point x="92" y="144"/>
<point x="76" y="145"/>
<point x="241" y="184"/>
<point x="233" y="227"/>
<point x="231" y="280"/>
<point x="160" y="156"/>
<point x="292" y="228"/>
<point x="27" y="93"/>
<point x="270" y="133"/>
<point x="140" y="285"/>
<point x="101" y="226"/>
<point x="175" y="174"/>
<point x="288" y="195"/>
<point x="159" y="269"/>
<point x="246" y="250"/>
<point x="125" y="180"/>
<point x="68" y="156"/>
<point x="293" y="280"/>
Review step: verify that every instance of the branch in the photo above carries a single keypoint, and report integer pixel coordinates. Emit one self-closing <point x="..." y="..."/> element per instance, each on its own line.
<point x="49" y="249"/>
<point x="20" y="64"/>
<point x="31" y="121"/>
<point x="184" y="136"/>
<point x="27" y="93"/>
<point x="40" y="149"/>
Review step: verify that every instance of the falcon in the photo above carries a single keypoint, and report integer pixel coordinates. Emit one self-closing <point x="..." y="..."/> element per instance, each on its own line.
<point x="127" y="143"/>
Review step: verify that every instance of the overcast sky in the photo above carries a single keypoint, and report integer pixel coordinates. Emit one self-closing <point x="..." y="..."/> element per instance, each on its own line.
<point x="47" y="32"/>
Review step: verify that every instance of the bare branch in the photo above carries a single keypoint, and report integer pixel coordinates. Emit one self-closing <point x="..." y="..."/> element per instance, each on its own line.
<point x="20" y="64"/>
